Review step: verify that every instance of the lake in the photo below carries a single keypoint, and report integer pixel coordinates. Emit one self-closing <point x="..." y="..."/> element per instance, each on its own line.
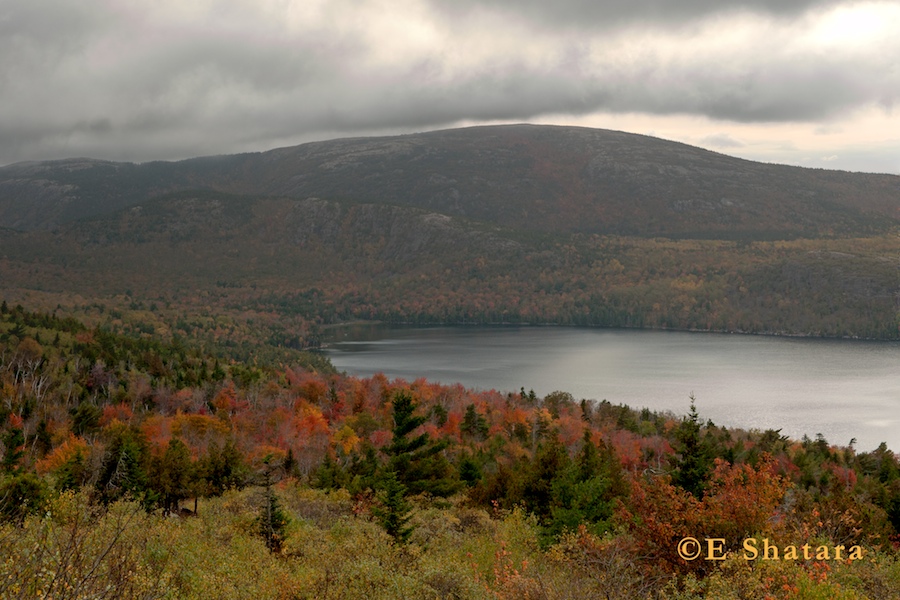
<point x="842" y="389"/>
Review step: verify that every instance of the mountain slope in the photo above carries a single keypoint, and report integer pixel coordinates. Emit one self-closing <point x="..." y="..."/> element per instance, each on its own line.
<point x="291" y="263"/>
<point x="511" y="224"/>
<point x="534" y="178"/>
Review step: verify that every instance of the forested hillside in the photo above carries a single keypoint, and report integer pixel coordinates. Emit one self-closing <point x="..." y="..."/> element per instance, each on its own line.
<point x="524" y="177"/>
<point x="290" y="480"/>
<point x="298" y="265"/>
<point x="513" y="224"/>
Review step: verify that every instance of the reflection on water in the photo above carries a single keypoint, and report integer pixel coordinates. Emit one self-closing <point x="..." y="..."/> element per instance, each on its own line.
<point x="840" y="388"/>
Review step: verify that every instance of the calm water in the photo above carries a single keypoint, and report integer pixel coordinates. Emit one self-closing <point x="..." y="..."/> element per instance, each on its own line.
<point x="842" y="389"/>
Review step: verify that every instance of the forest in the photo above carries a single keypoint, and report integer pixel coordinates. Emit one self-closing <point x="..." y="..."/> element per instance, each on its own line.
<point x="271" y="273"/>
<point x="147" y="462"/>
<point x="519" y="224"/>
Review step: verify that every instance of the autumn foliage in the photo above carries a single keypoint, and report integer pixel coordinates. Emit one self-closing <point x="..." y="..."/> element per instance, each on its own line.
<point x="554" y="486"/>
<point x="741" y="501"/>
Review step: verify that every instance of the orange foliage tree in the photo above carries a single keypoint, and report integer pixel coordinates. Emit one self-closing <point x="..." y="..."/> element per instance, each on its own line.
<point x="740" y="501"/>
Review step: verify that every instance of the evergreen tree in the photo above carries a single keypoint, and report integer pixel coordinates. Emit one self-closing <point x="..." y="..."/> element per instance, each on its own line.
<point x="393" y="514"/>
<point x="474" y="424"/>
<point x="85" y="418"/>
<point x="43" y="441"/>
<point x="362" y="471"/>
<point x="124" y="468"/>
<point x="290" y="466"/>
<point x="587" y="462"/>
<point x="21" y="494"/>
<point x="587" y="411"/>
<point x="73" y="473"/>
<point x="469" y="471"/>
<point x="13" y="450"/>
<point x="583" y="493"/>
<point x="222" y="469"/>
<point x="272" y="520"/>
<point x="173" y="475"/>
<point x="417" y="461"/>
<point x="329" y="475"/>
<point x="693" y="461"/>
<point x="550" y="460"/>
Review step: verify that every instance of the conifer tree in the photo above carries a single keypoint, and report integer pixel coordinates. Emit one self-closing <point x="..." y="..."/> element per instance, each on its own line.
<point x="469" y="471"/>
<point x="583" y="492"/>
<point x="329" y="475"/>
<point x="21" y="494"/>
<point x="173" y="475"/>
<point x="124" y="469"/>
<point x="272" y="520"/>
<point x="474" y="424"/>
<point x="692" y="463"/>
<point x="393" y="514"/>
<point x="549" y="462"/>
<point x="13" y="441"/>
<point x="418" y="461"/>
<point x="223" y="469"/>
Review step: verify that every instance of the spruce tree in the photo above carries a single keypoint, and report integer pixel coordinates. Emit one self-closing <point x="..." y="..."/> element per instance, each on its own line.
<point x="469" y="471"/>
<point x="272" y="520"/>
<point x="418" y="461"/>
<point x="549" y="462"/>
<point x="583" y="493"/>
<point x="393" y="514"/>
<point x="692" y="463"/>
<point x="173" y="475"/>
<point x="474" y="424"/>
<point x="123" y="472"/>
<point x="21" y="494"/>
<point x="223" y="469"/>
<point x="13" y="449"/>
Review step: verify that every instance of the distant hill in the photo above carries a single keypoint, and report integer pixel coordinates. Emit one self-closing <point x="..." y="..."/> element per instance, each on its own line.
<point x="533" y="178"/>
<point x="510" y="224"/>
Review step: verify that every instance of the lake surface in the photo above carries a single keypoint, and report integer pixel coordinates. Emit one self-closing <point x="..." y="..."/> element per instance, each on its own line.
<point x="842" y="389"/>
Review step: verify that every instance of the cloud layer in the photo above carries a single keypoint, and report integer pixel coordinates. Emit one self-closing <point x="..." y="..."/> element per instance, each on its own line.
<point x="165" y="79"/>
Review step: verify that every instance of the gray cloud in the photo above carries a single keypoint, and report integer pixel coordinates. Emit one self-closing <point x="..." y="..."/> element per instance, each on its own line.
<point x="126" y="82"/>
<point x="593" y="14"/>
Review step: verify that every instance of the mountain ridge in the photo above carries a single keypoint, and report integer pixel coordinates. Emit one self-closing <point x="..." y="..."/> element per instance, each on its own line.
<point x="532" y="177"/>
<point x="505" y="224"/>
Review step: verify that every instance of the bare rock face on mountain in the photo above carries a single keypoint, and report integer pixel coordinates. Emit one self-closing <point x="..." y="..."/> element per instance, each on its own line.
<point x="531" y="178"/>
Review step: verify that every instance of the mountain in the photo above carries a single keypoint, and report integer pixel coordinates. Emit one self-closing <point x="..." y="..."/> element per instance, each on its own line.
<point x="510" y="224"/>
<point x="533" y="178"/>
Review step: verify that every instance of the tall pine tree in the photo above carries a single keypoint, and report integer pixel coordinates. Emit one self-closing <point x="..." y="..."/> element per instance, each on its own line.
<point x="418" y="461"/>
<point x="693" y="461"/>
<point x="272" y="520"/>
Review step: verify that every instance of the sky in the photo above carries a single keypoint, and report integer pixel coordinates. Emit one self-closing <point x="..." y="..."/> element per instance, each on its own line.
<point x="813" y="83"/>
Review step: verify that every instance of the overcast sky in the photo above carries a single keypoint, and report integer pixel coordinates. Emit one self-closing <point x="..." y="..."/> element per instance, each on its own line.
<point x="807" y="82"/>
